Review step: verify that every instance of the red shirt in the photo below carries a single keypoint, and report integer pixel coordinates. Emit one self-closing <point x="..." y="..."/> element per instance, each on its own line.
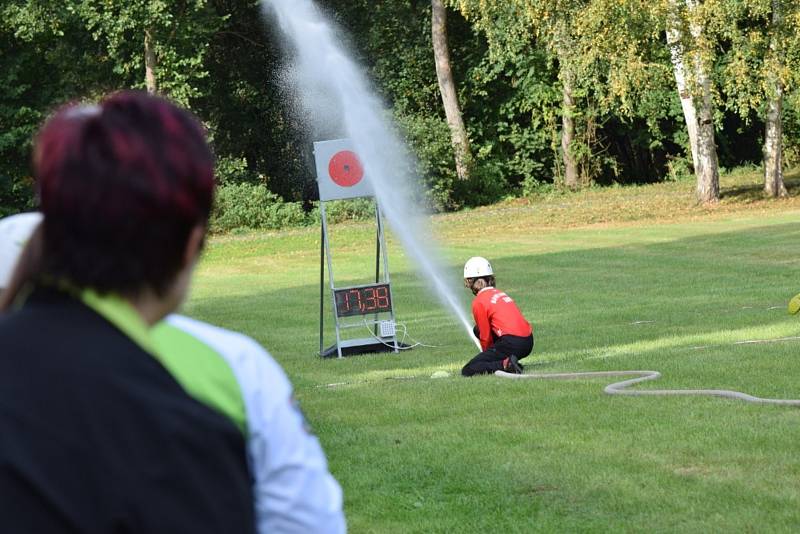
<point x="495" y="312"/>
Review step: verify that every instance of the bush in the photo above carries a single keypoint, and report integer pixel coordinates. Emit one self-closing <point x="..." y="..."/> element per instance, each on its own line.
<point x="533" y="188"/>
<point x="791" y="130"/>
<point x="486" y="184"/>
<point x="232" y="170"/>
<point x="337" y="211"/>
<point x="253" y="206"/>
<point x="679" y="169"/>
<point x="15" y="195"/>
<point x="429" y="138"/>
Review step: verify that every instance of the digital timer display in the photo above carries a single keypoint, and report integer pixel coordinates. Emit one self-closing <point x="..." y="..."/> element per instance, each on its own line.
<point x="363" y="300"/>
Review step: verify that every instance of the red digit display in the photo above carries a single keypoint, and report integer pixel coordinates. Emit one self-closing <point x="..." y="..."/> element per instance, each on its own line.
<point x="342" y="301"/>
<point x="370" y="303"/>
<point x="355" y="299"/>
<point x="382" y="295"/>
<point x="363" y="300"/>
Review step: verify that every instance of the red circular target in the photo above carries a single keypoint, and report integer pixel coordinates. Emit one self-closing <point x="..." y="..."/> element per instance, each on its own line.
<point x="345" y="168"/>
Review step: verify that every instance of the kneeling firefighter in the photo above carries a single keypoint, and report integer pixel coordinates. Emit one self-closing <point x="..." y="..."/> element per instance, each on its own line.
<point x="505" y="336"/>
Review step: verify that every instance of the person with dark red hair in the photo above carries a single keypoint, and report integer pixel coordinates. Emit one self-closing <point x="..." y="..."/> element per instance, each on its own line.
<point x="126" y="190"/>
<point x="110" y="418"/>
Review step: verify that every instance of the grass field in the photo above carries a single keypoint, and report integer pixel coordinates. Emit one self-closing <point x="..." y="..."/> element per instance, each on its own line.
<point x="628" y="278"/>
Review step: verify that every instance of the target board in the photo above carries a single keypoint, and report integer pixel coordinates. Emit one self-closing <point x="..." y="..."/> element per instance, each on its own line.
<point x="340" y="173"/>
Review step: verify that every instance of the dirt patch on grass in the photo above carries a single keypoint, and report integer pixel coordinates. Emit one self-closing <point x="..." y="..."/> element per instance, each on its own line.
<point x="692" y="471"/>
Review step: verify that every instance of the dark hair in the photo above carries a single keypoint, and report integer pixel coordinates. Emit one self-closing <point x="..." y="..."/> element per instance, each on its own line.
<point x="121" y="186"/>
<point x="469" y="283"/>
<point x="488" y="279"/>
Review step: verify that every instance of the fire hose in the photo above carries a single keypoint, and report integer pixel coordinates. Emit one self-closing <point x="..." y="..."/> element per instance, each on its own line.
<point x="620" y="388"/>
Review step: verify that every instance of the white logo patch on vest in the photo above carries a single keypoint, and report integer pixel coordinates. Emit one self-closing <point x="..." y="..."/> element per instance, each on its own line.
<point x="500" y="295"/>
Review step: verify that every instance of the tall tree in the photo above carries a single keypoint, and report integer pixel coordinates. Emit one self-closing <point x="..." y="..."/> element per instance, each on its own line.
<point x="550" y="24"/>
<point x="675" y="41"/>
<point x="707" y="170"/>
<point x="762" y="42"/>
<point x="693" y="57"/>
<point x="564" y="48"/>
<point x="444" y="73"/>
<point x="626" y="75"/>
<point x="175" y="37"/>
<point x="149" y="62"/>
<point x="773" y="142"/>
<point x="47" y="59"/>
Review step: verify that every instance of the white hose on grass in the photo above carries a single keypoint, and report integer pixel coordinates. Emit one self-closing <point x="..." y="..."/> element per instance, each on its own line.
<point x="619" y="388"/>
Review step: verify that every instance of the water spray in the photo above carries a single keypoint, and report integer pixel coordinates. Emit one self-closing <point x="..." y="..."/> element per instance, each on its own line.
<point x="331" y="89"/>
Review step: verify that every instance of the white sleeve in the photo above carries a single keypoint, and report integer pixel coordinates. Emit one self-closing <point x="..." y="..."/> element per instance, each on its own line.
<point x="293" y="489"/>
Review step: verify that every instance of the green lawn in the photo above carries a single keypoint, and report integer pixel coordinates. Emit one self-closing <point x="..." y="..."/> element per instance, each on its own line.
<point x="649" y="288"/>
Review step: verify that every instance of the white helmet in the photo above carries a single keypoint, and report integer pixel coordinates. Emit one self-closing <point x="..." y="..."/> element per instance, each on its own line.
<point x="14" y="233"/>
<point x="477" y="267"/>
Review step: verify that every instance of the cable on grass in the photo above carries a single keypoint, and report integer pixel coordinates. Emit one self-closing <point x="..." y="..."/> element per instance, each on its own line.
<point x="405" y="334"/>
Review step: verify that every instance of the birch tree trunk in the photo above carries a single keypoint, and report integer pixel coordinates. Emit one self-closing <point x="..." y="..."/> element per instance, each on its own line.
<point x="773" y="147"/>
<point x="677" y="54"/>
<point x="707" y="170"/>
<point x="563" y="51"/>
<point x="149" y="63"/>
<point x="444" y="73"/>
<point x="568" y="133"/>
<point x="706" y="164"/>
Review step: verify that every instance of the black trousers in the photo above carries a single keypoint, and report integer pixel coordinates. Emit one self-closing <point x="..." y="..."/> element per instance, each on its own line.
<point x="491" y="359"/>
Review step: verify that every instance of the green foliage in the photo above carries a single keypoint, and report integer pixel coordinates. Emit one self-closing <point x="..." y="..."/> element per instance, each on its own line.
<point x="15" y="195"/>
<point x="253" y="206"/>
<point x="679" y="169"/>
<point x="180" y="32"/>
<point x="393" y="39"/>
<point x="523" y="138"/>
<point x="530" y="187"/>
<point x="791" y="129"/>
<point x="510" y="60"/>
<point x="42" y="55"/>
<point x="232" y="170"/>
<point x="757" y="52"/>
<point x="56" y="52"/>
<point x="348" y="210"/>
<point x="487" y="183"/>
<point x="620" y="75"/>
<point x="429" y="139"/>
<point x="246" y="107"/>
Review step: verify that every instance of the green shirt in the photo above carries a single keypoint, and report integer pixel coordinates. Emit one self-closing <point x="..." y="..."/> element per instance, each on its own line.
<point x="199" y="369"/>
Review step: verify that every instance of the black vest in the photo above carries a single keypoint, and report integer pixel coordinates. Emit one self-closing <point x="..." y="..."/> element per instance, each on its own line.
<point x="97" y="437"/>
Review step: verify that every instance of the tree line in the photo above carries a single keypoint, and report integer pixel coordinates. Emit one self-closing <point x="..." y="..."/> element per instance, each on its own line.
<point x="495" y="97"/>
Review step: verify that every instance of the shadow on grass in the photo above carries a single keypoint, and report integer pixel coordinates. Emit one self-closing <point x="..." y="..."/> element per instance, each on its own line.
<point x="755" y="191"/>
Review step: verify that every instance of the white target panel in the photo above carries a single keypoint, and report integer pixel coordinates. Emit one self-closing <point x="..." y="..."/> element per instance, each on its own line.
<point x="340" y="173"/>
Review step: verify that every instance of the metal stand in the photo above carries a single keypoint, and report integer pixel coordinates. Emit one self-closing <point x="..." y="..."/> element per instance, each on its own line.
<point x="345" y="347"/>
